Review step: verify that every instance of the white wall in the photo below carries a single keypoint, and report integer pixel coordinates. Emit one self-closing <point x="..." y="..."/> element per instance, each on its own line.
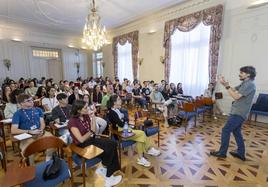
<point x="23" y="64"/>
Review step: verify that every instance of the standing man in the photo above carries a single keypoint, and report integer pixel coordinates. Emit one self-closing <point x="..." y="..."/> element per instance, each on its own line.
<point x="243" y="97"/>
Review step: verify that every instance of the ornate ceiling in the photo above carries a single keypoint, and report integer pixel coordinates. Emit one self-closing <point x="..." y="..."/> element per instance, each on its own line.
<point x="68" y="16"/>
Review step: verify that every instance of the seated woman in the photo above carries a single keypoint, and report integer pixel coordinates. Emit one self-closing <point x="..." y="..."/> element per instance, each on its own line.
<point x="101" y="124"/>
<point x="117" y="120"/>
<point x="82" y="130"/>
<point x="12" y="106"/>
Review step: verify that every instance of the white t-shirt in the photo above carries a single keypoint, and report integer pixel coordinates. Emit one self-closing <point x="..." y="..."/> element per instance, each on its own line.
<point x="50" y="102"/>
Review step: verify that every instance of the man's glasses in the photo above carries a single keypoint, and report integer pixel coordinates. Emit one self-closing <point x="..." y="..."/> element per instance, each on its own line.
<point x="28" y="100"/>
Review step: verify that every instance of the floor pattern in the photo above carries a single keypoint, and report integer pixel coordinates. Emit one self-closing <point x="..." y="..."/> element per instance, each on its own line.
<point x="185" y="160"/>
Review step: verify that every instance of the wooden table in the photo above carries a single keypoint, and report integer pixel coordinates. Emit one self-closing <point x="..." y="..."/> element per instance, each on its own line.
<point x="16" y="175"/>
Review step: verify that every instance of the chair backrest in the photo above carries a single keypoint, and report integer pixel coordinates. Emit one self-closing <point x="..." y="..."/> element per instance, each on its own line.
<point x="199" y="103"/>
<point x="208" y="101"/>
<point x="262" y="99"/>
<point x="188" y="107"/>
<point x="42" y="144"/>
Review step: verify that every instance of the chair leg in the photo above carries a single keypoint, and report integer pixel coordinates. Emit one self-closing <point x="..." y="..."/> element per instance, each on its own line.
<point x="84" y="172"/>
<point x="70" y="162"/>
<point x="158" y="138"/>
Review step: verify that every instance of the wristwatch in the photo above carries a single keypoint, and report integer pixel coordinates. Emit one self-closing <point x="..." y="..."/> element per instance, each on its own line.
<point x="228" y="87"/>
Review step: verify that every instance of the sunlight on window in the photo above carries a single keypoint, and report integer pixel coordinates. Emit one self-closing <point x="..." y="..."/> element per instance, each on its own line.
<point x="125" y="69"/>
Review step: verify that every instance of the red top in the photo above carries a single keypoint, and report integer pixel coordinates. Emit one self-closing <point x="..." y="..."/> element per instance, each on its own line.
<point x="82" y="125"/>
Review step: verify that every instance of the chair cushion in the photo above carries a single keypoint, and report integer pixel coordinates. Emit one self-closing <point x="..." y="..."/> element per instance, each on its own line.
<point x="187" y="115"/>
<point x="127" y="143"/>
<point x="151" y="131"/>
<point x="38" y="180"/>
<point x="89" y="163"/>
<point x="259" y="112"/>
<point x="201" y="110"/>
<point x="208" y="107"/>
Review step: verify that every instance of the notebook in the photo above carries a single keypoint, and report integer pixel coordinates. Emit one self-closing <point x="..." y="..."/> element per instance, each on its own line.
<point x="23" y="136"/>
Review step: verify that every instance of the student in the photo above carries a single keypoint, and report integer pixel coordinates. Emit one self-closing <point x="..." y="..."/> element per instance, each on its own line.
<point x="83" y="133"/>
<point x="12" y="106"/>
<point x="50" y="101"/>
<point x="29" y="120"/>
<point x="143" y="143"/>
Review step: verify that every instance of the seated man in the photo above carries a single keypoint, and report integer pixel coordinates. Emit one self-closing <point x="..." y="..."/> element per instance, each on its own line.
<point x="61" y="114"/>
<point x="138" y="97"/>
<point x="160" y="103"/>
<point x="29" y="120"/>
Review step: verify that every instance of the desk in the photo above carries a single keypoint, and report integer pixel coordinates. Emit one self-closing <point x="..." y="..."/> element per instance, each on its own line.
<point x="16" y="175"/>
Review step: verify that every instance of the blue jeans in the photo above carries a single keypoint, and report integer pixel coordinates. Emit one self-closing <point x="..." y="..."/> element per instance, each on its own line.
<point x="233" y="125"/>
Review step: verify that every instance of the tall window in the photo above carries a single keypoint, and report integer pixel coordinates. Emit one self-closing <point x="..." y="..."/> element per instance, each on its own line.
<point x="125" y="61"/>
<point x="97" y="64"/>
<point x="190" y="59"/>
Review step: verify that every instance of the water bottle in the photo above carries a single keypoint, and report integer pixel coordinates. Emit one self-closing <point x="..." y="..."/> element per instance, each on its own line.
<point x="125" y="129"/>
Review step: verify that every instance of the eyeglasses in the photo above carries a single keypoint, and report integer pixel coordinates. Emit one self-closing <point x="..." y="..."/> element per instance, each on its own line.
<point x="28" y="100"/>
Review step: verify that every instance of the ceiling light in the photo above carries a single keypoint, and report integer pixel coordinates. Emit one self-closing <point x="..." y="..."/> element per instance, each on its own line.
<point x="71" y="46"/>
<point x="258" y="3"/>
<point x="16" y="39"/>
<point x="94" y="33"/>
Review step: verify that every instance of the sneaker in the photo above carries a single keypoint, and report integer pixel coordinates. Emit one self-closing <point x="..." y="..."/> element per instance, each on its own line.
<point x="142" y="161"/>
<point x="153" y="152"/>
<point x="112" y="180"/>
<point x="224" y="114"/>
<point x="215" y="118"/>
<point x="101" y="171"/>
<point x="166" y="124"/>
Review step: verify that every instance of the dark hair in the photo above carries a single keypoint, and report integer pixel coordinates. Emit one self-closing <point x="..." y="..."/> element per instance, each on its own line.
<point x="39" y="92"/>
<point x="13" y="95"/>
<point x="249" y="70"/>
<point x="22" y="97"/>
<point x="61" y="96"/>
<point x="111" y="101"/>
<point x="77" y="105"/>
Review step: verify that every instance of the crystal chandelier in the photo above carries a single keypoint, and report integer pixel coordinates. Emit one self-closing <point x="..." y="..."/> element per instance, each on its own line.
<point x="94" y="33"/>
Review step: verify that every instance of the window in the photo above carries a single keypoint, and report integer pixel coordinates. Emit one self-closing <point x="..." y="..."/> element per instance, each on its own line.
<point x="97" y="64"/>
<point x="125" y="61"/>
<point x="190" y="59"/>
<point x="45" y="53"/>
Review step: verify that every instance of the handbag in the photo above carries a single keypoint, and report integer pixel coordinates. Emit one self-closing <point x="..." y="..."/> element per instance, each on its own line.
<point x="52" y="170"/>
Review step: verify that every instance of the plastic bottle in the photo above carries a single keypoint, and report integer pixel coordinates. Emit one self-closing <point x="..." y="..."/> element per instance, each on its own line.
<point x="125" y="129"/>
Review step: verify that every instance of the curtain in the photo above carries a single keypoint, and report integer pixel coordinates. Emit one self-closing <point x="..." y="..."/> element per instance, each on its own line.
<point x="189" y="59"/>
<point x="211" y="16"/>
<point x="133" y="38"/>
<point x="124" y="61"/>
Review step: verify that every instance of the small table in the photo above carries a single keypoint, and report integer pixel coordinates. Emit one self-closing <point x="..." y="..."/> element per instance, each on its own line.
<point x="16" y="175"/>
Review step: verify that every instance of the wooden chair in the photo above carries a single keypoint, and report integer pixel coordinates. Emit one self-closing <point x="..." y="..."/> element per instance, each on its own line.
<point x="188" y="111"/>
<point x="83" y="157"/>
<point x="140" y="117"/>
<point x="121" y="141"/>
<point x="200" y="108"/>
<point x="208" y="105"/>
<point x="3" y="154"/>
<point x="40" y="145"/>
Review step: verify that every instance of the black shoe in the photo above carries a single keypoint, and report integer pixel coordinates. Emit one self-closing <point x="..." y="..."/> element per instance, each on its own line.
<point x="235" y="154"/>
<point x="217" y="154"/>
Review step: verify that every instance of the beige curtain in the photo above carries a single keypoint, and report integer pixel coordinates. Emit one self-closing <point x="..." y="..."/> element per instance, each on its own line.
<point x="211" y="16"/>
<point x="133" y="38"/>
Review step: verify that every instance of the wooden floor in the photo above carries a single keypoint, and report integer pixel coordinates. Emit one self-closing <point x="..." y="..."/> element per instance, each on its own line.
<point x="185" y="160"/>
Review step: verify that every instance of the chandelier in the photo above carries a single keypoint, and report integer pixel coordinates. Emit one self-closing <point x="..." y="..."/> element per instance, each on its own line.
<point x="94" y="33"/>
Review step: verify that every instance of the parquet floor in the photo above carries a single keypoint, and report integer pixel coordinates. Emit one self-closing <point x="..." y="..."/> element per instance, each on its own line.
<point x="185" y="160"/>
